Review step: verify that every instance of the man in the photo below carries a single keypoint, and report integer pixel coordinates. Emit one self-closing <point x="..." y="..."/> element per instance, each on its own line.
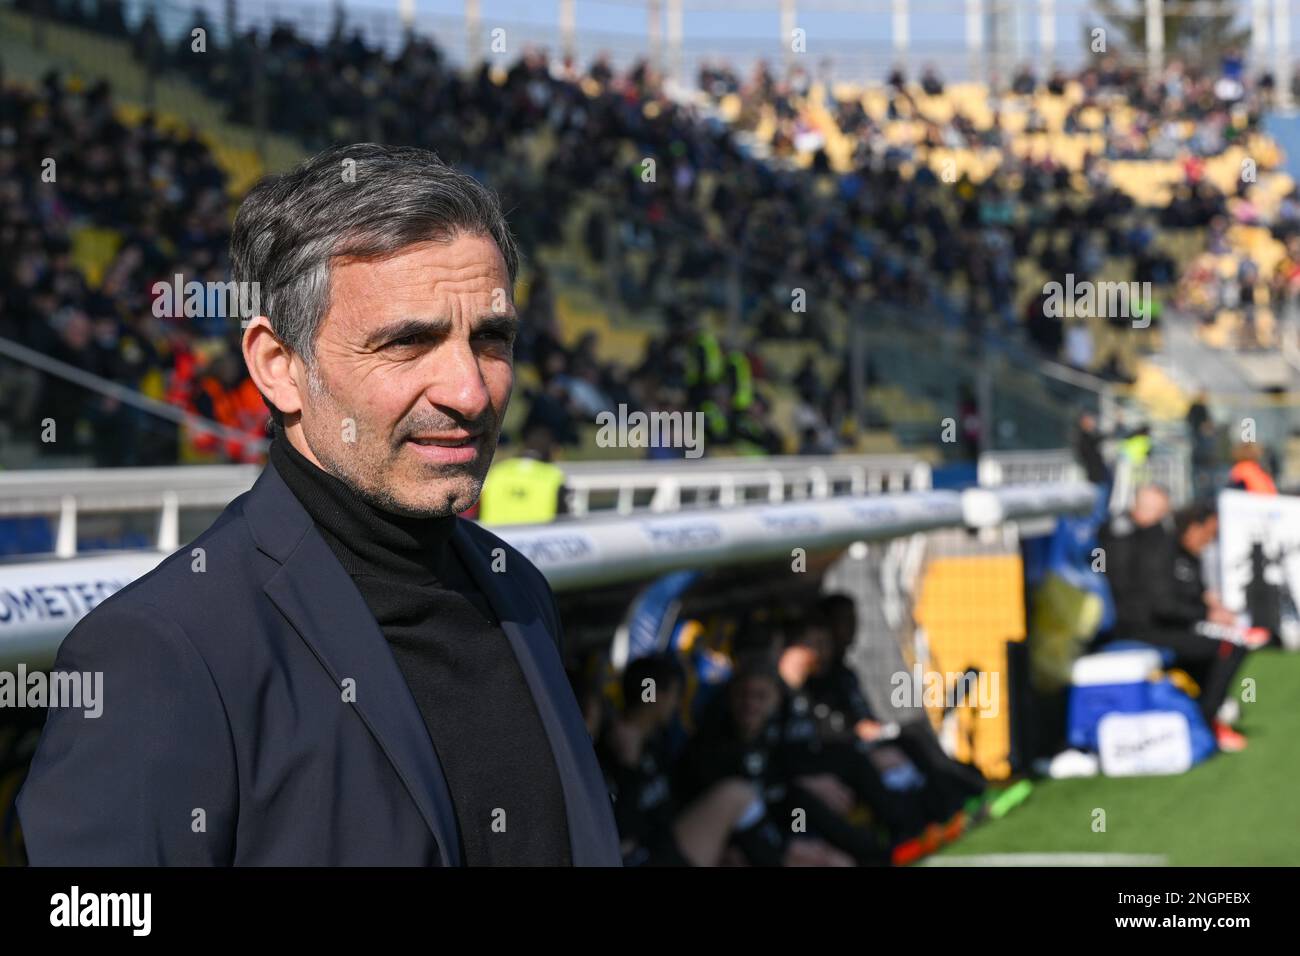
<point x="1086" y="440"/>
<point x="836" y="692"/>
<point x="655" y="829"/>
<point x="814" y="747"/>
<point x="1247" y="473"/>
<point x="748" y="733"/>
<point x="1190" y="618"/>
<point x="340" y="670"/>
<point x="1134" y="545"/>
<point x="1161" y="599"/>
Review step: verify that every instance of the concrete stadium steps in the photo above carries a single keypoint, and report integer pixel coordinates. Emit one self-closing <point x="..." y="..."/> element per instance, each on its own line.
<point x="93" y="250"/>
<point x="1157" y="395"/>
<point x="581" y="302"/>
<point x="920" y="378"/>
<point x="578" y="312"/>
<point x="1192" y="364"/>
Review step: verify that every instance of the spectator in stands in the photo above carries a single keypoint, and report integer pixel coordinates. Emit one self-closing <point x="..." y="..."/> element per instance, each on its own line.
<point x="865" y="224"/>
<point x="1204" y="443"/>
<point x="930" y="81"/>
<point x="1087" y="441"/>
<point x="970" y="423"/>
<point x="1248" y="472"/>
<point x="1024" y="82"/>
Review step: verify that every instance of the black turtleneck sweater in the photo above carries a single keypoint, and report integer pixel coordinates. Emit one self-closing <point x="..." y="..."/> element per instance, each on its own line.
<point x="459" y="664"/>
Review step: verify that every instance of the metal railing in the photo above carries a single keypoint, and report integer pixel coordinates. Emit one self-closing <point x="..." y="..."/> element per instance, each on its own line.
<point x="67" y="494"/>
<point x="726" y="482"/>
<point x="1168" y="465"/>
<point x="998" y="468"/>
<point x="593" y="488"/>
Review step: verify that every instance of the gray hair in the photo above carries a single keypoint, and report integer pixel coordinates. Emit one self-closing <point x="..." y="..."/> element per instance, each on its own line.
<point x="360" y="201"/>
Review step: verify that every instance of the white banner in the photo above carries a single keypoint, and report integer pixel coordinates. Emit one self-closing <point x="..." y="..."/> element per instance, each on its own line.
<point x="1259" y="559"/>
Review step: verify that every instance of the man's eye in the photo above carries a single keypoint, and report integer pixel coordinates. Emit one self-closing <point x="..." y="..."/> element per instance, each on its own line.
<point x="405" y="340"/>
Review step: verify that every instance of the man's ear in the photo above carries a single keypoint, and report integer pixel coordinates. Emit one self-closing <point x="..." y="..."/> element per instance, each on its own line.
<point x="272" y="367"/>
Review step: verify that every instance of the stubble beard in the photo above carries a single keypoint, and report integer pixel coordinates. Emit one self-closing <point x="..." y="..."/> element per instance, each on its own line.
<point x="367" y="482"/>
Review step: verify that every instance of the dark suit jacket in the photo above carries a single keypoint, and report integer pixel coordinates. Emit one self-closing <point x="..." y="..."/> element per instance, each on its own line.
<point x="225" y="736"/>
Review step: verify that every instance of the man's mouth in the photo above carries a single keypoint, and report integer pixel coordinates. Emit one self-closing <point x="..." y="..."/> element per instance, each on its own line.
<point x="447" y="449"/>
<point x="449" y="442"/>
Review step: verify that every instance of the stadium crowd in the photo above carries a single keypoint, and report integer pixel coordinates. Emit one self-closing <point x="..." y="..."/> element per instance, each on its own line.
<point x="882" y="229"/>
<point x="154" y="201"/>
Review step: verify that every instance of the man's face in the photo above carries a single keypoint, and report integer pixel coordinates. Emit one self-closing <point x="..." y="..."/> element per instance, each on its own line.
<point x="1150" y="507"/>
<point x="823" y="647"/>
<point x="414" y="372"/>
<point x="844" y="626"/>
<point x="1197" y="537"/>
<point x="670" y="701"/>
<point x="753" y="702"/>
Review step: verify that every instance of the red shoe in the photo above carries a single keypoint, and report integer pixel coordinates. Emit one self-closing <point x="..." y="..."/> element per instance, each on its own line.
<point x="909" y="851"/>
<point x="1229" y="740"/>
<point x="1256" y="637"/>
<point x="932" y="838"/>
<point x="955" y="827"/>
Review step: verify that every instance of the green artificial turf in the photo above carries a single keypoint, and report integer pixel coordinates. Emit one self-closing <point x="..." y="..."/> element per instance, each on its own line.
<point x="1238" y="809"/>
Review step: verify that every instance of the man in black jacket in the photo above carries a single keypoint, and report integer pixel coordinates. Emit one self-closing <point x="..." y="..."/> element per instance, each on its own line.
<point x="837" y="693"/>
<point x="340" y="670"/>
<point x="1086" y="440"/>
<point x="657" y="830"/>
<point x="751" y="732"/>
<point x="1154" y="572"/>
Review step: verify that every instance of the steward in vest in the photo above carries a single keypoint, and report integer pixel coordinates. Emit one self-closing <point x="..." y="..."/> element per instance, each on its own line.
<point x="705" y="365"/>
<point x="1137" y="447"/>
<point x="526" y="489"/>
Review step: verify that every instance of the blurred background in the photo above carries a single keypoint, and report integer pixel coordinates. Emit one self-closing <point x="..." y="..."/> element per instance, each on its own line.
<point x="837" y="232"/>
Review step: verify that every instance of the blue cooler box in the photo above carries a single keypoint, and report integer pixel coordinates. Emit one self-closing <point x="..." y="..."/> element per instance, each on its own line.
<point x="1108" y="683"/>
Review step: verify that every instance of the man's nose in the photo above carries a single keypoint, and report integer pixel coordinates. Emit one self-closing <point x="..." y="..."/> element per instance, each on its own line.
<point x="458" y="384"/>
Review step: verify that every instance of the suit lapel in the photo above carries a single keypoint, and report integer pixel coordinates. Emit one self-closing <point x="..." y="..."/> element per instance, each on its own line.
<point x="324" y="606"/>
<point x="586" y="800"/>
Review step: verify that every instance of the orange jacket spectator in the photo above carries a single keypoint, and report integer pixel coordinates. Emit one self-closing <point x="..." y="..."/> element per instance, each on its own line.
<point x="239" y="408"/>
<point x="1247" y="474"/>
